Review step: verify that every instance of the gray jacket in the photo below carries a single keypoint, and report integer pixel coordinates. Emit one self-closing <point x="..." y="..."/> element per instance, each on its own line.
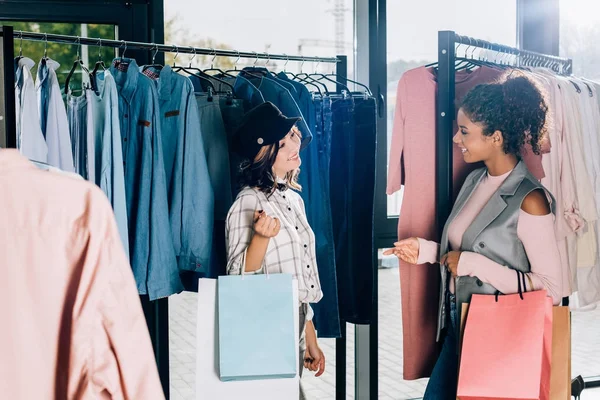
<point x="493" y="233"/>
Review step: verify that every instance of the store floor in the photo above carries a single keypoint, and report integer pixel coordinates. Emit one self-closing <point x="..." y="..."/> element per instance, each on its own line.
<point x="182" y="308"/>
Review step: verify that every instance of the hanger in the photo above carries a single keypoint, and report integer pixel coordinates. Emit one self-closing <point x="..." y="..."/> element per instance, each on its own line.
<point x="45" y="57"/>
<point x="78" y="62"/>
<point x="217" y="69"/>
<point x="153" y="65"/>
<point x="20" y="48"/>
<point x="99" y="63"/>
<point x="197" y="72"/>
<point x="306" y="78"/>
<point x="322" y="76"/>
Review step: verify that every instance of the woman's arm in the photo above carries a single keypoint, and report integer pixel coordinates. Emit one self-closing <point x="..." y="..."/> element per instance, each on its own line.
<point x="428" y="251"/>
<point x="536" y="231"/>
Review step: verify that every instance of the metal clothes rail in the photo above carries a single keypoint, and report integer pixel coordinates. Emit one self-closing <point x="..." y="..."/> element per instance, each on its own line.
<point x="172" y="48"/>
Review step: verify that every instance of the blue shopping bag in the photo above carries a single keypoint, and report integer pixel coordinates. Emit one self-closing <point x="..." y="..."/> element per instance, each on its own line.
<point x="257" y="339"/>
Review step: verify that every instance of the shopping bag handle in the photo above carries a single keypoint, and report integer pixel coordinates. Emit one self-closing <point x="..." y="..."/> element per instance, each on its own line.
<point x="244" y="265"/>
<point x="520" y="281"/>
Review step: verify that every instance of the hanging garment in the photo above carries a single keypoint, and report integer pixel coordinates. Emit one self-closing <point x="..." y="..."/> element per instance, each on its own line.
<point x="585" y="246"/>
<point x="353" y="155"/>
<point x="150" y="238"/>
<point x="314" y="179"/>
<point x="53" y="116"/>
<point x="216" y="148"/>
<point x="108" y="157"/>
<point x="30" y="140"/>
<point x="272" y="91"/>
<point x="75" y="328"/>
<point x="82" y="136"/>
<point x="232" y="111"/>
<point x="412" y="165"/>
<point x="191" y="199"/>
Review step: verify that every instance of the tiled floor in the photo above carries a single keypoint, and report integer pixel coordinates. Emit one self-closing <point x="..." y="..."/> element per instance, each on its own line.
<point x="182" y="308"/>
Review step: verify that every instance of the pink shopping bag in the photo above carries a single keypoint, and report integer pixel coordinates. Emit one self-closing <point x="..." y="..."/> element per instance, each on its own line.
<point x="507" y="348"/>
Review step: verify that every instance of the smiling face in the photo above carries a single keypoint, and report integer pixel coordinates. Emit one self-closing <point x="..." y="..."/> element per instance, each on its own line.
<point x="288" y="156"/>
<point x="476" y="146"/>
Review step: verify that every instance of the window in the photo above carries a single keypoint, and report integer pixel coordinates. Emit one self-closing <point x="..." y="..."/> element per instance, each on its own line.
<point x="579" y="35"/>
<point x="408" y="21"/>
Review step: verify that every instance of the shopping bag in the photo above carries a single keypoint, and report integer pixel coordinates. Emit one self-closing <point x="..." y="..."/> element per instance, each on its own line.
<point x="257" y="339"/>
<point x="560" y="376"/>
<point x="208" y="383"/>
<point x="506" y="348"/>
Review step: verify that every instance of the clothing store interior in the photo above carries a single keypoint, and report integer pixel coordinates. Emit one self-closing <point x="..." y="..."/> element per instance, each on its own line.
<point x="300" y="199"/>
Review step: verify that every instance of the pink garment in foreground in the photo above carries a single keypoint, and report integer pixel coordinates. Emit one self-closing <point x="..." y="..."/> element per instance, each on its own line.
<point x="72" y="322"/>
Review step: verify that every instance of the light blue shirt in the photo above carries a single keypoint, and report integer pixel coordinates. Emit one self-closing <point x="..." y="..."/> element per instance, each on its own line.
<point x="191" y="197"/>
<point x="109" y="174"/>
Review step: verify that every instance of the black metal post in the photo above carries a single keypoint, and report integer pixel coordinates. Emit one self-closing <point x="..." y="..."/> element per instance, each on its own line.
<point x="8" y="127"/>
<point x="444" y="119"/>
<point x="340" y="343"/>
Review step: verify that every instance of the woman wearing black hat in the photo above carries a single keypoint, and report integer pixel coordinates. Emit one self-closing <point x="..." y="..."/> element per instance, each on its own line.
<point x="267" y="226"/>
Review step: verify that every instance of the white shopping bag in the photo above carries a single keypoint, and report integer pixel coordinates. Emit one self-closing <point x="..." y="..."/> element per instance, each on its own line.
<point x="208" y="384"/>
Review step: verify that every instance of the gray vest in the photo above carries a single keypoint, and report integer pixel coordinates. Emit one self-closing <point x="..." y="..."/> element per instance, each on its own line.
<point x="493" y="233"/>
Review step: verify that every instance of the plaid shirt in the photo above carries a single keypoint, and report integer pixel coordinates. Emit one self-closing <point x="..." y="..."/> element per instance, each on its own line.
<point x="292" y="251"/>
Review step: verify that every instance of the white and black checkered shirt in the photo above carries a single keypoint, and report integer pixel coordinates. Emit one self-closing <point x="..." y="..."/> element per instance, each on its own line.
<point x="292" y="251"/>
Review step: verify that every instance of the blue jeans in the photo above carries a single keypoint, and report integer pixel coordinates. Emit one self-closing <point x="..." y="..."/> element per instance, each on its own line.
<point x="315" y="192"/>
<point x="353" y="149"/>
<point x="443" y="382"/>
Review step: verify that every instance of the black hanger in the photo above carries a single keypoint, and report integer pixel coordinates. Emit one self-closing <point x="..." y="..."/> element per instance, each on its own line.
<point x="223" y="73"/>
<point x="45" y="57"/>
<point x="20" y="49"/>
<point x="78" y="62"/>
<point x="293" y="77"/>
<point x="99" y="63"/>
<point x="197" y="72"/>
<point x="306" y="78"/>
<point x="322" y="76"/>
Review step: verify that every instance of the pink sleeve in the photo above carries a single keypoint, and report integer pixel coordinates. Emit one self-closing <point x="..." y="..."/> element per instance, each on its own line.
<point x="428" y="251"/>
<point x="395" y="167"/>
<point x="539" y="240"/>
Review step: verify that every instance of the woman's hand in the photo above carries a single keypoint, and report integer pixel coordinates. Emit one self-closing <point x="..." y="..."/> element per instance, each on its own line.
<point x="450" y="260"/>
<point x="314" y="359"/>
<point x="407" y="250"/>
<point x="266" y="226"/>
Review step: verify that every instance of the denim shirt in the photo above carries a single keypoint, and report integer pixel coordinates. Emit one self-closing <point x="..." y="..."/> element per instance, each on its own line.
<point x="191" y="197"/>
<point x="277" y="94"/>
<point x="150" y="238"/>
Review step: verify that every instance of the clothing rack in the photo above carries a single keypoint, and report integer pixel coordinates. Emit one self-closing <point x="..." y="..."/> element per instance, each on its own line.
<point x="156" y="312"/>
<point x="445" y="118"/>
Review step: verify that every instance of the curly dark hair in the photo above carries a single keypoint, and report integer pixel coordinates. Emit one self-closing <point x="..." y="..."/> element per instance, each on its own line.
<point x="258" y="173"/>
<point x="515" y="106"/>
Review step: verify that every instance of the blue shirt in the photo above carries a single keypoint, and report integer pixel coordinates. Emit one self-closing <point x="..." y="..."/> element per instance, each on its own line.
<point x="150" y="238"/>
<point x="191" y="197"/>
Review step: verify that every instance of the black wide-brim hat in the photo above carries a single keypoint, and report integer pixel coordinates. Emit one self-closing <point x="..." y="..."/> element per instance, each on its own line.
<point x="261" y="126"/>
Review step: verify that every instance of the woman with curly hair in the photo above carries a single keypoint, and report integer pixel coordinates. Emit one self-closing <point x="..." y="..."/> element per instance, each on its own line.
<point x="267" y="228"/>
<point x="502" y="220"/>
